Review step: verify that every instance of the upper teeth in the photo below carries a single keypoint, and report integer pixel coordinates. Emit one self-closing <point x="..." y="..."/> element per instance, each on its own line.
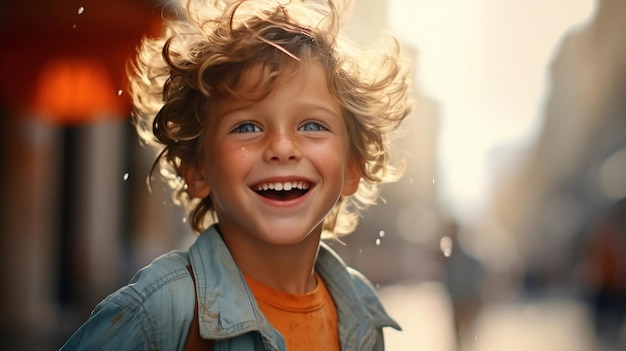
<point x="286" y="186"/>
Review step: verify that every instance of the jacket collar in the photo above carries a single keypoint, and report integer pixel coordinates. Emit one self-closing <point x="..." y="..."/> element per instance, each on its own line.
<point x="227" y="308"/>
<point x="344" y="284"/>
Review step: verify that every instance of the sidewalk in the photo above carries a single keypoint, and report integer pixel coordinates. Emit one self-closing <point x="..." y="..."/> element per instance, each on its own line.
<point x="424" y="312"/>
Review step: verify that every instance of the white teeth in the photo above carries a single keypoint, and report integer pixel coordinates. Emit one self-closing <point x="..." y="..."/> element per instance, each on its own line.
<point x="286" y="186"/>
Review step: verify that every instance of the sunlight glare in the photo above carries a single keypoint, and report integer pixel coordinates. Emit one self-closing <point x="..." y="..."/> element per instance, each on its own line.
<point x="484" y="63"/>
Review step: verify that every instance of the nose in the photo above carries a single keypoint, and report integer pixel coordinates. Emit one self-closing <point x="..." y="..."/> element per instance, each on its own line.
<point x="282" y="147"/>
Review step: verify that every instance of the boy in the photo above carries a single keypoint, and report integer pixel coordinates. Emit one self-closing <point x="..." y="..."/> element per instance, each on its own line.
<point x="275" y="135"/>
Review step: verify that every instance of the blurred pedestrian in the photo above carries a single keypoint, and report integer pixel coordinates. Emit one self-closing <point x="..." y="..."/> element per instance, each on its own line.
<point x="605" y="274"/>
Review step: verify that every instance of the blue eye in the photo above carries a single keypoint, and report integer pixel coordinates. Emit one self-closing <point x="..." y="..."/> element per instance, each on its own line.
<point x="313" y="126"/>
<point x="246" y="127"/>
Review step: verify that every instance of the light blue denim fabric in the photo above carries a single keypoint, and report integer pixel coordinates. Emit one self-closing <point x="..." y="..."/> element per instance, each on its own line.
<point x="154" y="311"/>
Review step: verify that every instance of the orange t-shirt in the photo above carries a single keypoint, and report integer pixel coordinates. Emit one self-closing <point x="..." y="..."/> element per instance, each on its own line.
<point x="306" y="321"/>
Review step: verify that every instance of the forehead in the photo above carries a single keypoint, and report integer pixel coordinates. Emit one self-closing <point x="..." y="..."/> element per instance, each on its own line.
<point x="257" y="82"/>
<point x="302" y="88"/>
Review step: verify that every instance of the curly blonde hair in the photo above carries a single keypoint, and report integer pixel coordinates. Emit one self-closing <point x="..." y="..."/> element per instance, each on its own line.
<point x="205" y="51"/>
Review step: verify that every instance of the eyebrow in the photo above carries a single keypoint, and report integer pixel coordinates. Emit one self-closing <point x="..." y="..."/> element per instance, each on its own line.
<point x="322" y="107"/>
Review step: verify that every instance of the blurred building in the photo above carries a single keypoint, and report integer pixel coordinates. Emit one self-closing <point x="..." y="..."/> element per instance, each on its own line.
<point x="73" y="173"/>
<point x="576" y="170"/>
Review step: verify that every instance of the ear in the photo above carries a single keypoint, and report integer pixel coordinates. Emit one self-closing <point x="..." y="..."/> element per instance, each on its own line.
<point x="197" y="184"/>
<point x="351" y="179"/>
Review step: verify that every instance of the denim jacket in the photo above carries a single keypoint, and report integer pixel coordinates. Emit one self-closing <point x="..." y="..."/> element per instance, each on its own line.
<point x="154" y="311"/>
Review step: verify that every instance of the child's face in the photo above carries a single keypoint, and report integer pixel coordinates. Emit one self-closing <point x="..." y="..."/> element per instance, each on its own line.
<point x="274" y="169"/>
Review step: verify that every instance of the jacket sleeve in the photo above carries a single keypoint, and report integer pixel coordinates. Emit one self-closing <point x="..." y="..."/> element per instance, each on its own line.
<point x="110" y="327"/>
<point x="153" y="312"/>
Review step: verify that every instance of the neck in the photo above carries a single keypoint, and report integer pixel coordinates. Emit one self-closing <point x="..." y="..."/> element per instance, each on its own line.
<point x="289" y="268"/>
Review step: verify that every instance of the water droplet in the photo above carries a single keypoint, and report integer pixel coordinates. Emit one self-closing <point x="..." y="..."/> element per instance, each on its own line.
<point x="378" y="242"/>
<point x="360" y="251"/>
<point x="433" y="181"/>
<point x="446" y="246"/>
<point x="184" y="219"/>
<point x="119" y="92"/>
<point x="126" y="175"/>
<point x="381" y="233"/>
<point x="81" y="10"/>
<point x="74" y="26"/>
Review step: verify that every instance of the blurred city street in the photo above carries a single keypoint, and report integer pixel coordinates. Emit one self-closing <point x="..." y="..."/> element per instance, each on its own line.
<point x="424" y="312"/>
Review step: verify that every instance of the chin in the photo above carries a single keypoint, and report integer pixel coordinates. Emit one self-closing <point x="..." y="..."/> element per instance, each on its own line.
<point x="285" y="241"/>
<point x="274" y="237"/>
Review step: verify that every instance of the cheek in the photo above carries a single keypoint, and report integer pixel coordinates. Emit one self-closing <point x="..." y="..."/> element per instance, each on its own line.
<point x="332" y="157"/>
<point x="238" y="154"/>
<point x="231" y="159"/>
<point x="224" y="151"/>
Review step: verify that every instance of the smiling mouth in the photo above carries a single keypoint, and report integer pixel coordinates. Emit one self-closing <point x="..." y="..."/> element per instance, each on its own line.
<point x="282" y="191"/>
